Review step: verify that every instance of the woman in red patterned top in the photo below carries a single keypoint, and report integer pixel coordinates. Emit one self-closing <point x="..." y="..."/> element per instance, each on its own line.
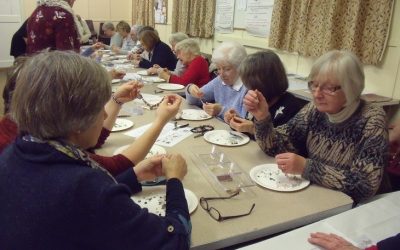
<point x="53" y="25"/>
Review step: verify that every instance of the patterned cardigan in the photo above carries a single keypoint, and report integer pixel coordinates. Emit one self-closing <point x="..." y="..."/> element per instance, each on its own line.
<point x="347" y="156"/>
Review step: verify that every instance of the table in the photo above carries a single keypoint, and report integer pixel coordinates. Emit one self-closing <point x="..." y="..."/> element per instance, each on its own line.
<point x="363" y="226"/>
<point x="274" y="211"/>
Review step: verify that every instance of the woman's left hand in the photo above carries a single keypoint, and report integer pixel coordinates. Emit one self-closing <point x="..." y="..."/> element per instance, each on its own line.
<point x="149" y="169"/>
<point x="128" y="91"/>
<point x="242" y="125"/>
<point x="212" y="109"/>
<point x="164" y="74"/>
<point x="115" y="74"/>
<point x="291" y="163"/>
<point x="331" y="242"/>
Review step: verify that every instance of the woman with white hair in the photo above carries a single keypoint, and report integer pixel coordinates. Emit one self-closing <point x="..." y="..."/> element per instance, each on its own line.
<point x="188" y="53"/>
<point x="115" y="38"/>
<point x="337" y="141"/>
<point x="180" y="67"/>
<point x="53" y="25"/>
<point x="225" y="91"/>
<point x="68" y="199"/>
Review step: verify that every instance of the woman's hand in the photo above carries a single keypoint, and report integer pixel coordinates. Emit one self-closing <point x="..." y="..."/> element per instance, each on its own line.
<point x="195" y="91"/>
<point x="128" y="91"/>
<point x="153" y="70"/>
<point x="149" y="169"/>
<point x="169" y="107"/>
<point x="229" y="115"/>
<point x="256" y="104"/>
<point x="242" y="125"/>
<point x="174" y="166"/>
<point x="291" y="163"/>
<point x="115" y="49"/>
<point x="331" y="242"/>
<point x="164" y="74"/>
<point x="212" y="109"/>
<point x="116" y="74"/>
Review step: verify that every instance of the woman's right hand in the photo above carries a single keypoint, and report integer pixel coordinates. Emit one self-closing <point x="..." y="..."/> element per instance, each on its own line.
<point x="242" y="125"/>
<point x="228" y="116"/>
<point x="174" y="166"/>
<point x="255" y="103"/>
<point x="169" y="107"/>
<point x="195" y="91"/>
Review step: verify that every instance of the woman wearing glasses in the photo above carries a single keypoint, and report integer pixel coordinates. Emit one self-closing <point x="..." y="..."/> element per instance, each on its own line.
<point x="337" y="141"/>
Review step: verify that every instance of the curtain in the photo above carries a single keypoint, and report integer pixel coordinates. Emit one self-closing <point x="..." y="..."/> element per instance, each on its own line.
<point x="143" y="12"/>
<point x="313" y="27"/>
<point x="194" y="17"/>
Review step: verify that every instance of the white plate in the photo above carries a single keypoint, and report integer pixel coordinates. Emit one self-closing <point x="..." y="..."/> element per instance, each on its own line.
<point x="170" y="86"/>
<point x="121" y="56"/>
<point x="271" y="177"/>
<point x="114" y="81"/>
<point x="194" y="115"/>
<point x="153" y="79"/>
<point x="122" y="124"/>
<point x="142" y="72"/>
<point x="155" y="150"/>
<point x="154" y="199"/>
<point x="226" y="138"/>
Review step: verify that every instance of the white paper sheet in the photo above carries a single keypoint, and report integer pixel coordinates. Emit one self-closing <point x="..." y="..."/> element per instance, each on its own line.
<point x="258" y="17"/>
<point x="168" y="136"/>
<point x="224" y="16"/>
<point x="132" y="76"/>
<point x="363" y="226"/>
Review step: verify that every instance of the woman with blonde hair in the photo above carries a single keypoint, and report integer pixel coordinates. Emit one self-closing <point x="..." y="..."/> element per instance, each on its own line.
<point x="337" y="141"/>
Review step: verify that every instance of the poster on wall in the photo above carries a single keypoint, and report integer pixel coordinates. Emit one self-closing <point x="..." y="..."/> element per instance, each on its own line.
<point x="224" y="16"/>
<point x="258" y="17"/>
<point x="160" y="11"/>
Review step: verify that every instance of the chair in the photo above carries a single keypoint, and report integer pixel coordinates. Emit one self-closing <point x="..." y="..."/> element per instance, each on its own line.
<point x="102" y="38"/>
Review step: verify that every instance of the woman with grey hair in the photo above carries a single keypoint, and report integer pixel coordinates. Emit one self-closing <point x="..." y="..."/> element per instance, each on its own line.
<point x="188" y="53"/>
<point x="115" y="38"/>
<point x="337" y="141"/>
<point x="180" y="67"/>
<point x="69" y="199"/>
<point x="225" y="91"/>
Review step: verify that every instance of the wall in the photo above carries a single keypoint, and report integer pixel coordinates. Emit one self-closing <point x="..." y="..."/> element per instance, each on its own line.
<point x="383" y="79"/>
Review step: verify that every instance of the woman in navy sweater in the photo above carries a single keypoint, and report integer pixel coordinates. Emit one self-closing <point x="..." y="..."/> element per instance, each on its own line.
<point x="53" y="195"/>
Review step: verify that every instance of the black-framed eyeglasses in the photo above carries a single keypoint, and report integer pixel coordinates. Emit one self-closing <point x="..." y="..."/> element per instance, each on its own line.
<point x="215" y="214"/>
<point x="326" y="89"/>
<point x="201" y="130"/>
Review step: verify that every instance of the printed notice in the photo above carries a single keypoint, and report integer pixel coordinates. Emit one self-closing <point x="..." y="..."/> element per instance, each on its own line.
<point x="224" y="16"/>
<point x="258" y="17"/>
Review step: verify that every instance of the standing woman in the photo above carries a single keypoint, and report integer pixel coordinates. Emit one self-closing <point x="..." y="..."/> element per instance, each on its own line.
<point x="158" y="52"/>
<point x="53" y="25"/>
<point x="51" y="188"/>
<point x="188" y="52"/>
<point x="225" y="91"/>
<point x="337" y="141"/>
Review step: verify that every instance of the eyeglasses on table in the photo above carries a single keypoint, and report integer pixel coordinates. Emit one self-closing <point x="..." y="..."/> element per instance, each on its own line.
<point x="215" y="214"/>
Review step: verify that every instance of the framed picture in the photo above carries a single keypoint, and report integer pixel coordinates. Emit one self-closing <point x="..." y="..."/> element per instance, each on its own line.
<point x="160" y="11"/>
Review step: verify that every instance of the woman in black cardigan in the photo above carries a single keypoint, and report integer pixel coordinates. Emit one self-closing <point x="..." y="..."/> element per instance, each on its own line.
<point x="159" y="52"/>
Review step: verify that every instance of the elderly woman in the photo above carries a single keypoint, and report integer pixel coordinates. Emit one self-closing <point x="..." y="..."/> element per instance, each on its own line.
<point x="68" y="199"/>
<point x="53" y="25"/>
<point x="116" y="164"/>
<point x="124" y="31"/>
<point x="158" y="52"/>
<point x="188" y="52"/>
<point x="179" y="68"/>
<point x="225" y="91"/>
<point x="115" y="38"/>
<point x="337" y="141"/>
<point x="265" y="72"/>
